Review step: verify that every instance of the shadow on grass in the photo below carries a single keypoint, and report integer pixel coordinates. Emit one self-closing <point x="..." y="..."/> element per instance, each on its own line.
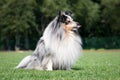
<point x="77" y="68"/>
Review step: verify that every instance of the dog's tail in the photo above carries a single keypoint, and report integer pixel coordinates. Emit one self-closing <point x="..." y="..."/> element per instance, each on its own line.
<point x="24" y="62"/>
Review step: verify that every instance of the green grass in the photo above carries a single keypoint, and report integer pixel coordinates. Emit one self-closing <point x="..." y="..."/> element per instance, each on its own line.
<point x="93" y="65"/>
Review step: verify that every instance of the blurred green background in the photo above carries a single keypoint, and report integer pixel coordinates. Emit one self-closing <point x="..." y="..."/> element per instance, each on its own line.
<point x="22" y="22"/>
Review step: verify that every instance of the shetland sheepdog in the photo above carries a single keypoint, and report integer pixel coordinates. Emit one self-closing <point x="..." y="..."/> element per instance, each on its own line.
<point x="58" y="48"/>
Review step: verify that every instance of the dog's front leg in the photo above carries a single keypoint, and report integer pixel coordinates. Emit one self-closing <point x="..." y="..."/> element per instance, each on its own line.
<point x="47" y="63"/>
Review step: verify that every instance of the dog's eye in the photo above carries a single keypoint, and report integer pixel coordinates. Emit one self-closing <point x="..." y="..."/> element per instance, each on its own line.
<point x="67" y="22"/>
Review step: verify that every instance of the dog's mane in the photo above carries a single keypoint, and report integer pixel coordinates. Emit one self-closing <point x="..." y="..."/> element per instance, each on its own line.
<point x="57" y="30"/>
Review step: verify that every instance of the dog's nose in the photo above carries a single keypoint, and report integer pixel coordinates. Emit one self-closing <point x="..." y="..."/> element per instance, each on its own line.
<point x="78" y="25"/>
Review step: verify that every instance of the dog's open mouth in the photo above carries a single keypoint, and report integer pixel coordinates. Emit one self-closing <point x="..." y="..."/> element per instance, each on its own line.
<point x="76" y="28"/>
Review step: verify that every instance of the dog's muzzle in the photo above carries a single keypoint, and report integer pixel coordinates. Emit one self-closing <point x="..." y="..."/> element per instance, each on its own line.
<point x="76" y="27"/>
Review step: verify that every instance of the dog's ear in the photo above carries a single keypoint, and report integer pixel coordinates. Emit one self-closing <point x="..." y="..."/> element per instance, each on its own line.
<point x="60" y="13"/>
<point x="68" y="13"/>
<point x="60" y="16"/>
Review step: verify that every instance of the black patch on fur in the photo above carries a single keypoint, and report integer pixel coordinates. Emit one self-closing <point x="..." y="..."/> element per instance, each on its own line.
<point x="68" y="13"/>
<point x="40" y="44"/>
<point x="59" y="36"/>
<point x="56" y="25"/>
<point x="62" y="18"/>
<point x="41" y="41"/>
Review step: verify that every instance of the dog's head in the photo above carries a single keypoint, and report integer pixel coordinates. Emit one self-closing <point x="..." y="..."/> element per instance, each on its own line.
<point x="67" y="22"/>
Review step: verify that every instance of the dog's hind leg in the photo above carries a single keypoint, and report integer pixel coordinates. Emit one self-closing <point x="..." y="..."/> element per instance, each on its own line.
<point x="24" y="62"/>
<point x="34" y="64"/>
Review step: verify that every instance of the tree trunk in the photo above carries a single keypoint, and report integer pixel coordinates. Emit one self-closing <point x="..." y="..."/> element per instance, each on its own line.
<point x="26" y="40"/>
<point x="8" y="42"/>
<point x="17" y="38"/>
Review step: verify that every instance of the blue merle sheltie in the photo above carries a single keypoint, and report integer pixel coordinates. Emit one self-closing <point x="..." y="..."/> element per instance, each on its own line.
<point x="58" y="48"/>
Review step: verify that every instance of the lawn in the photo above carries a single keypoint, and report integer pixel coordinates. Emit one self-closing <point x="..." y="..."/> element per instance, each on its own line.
<point x="93" y="65"/>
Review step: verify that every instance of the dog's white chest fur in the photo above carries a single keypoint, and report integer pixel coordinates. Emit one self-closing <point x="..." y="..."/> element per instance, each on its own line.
<point x="64" y="52"/>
